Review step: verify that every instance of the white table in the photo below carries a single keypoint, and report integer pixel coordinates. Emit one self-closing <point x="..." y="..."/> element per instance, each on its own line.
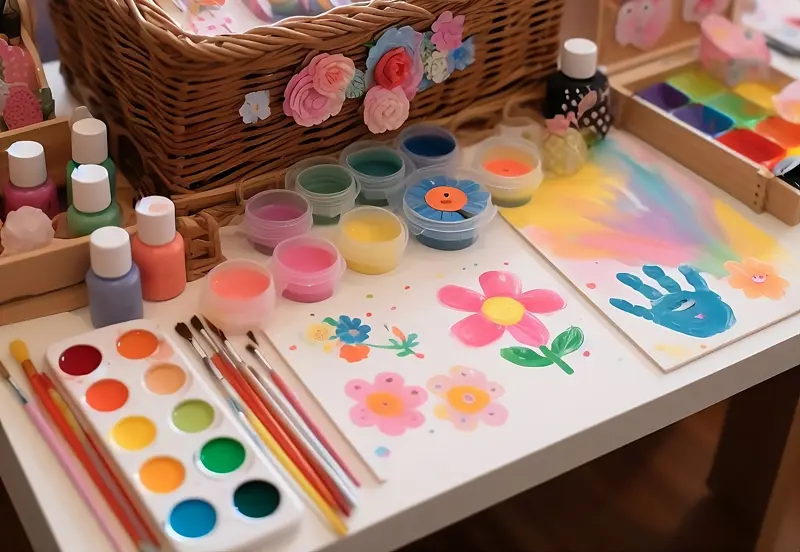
<point x="419" y="502"/>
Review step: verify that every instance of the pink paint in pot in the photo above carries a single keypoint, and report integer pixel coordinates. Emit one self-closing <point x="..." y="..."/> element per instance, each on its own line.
<point x="276" y="215"/>
<point x="307" y="269"/>
<point x="238" y="296"/>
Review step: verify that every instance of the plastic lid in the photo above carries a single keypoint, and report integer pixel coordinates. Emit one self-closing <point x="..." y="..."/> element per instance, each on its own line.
<point x="27" y="167"/>
<point x="155" y="220"/>
<point x="91" y="189"/>
<point x="110" y="252"/>
<point x="579" y="58"/>
<point x="89" y="141"/>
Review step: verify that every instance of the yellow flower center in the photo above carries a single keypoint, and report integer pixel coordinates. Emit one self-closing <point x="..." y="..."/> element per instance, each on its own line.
<point x="468" y="399"/>
<point x="318" y="332"/>
<point x="503" y="310"/>
<point x="385" y="404"/>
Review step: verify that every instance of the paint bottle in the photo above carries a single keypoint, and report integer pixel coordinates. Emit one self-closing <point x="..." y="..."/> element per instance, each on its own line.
<point x="158" y="250"/>
<point x="28" y="182"/>
<point x="113" y="281"/>
<point x="90" y="146"/>
<point x="92" y="206"/>
<point x="578" y="75"/>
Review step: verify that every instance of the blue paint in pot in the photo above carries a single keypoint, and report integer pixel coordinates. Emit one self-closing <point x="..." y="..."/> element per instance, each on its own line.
<point x="193" y="518"/>
<point x="429" y="146"/>
<point x="706" y="119"/>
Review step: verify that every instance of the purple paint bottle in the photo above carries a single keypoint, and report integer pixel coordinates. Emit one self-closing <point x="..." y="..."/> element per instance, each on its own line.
<point x="28" y="182"/>
<point x="114" y="283"/>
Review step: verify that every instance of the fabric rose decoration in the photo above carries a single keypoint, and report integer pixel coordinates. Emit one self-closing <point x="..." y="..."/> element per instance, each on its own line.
<point x="318" y="91"/>
<point x="464" y="56"/>
<point x="448" y="31"/>
<point x="331" y="74"/>
<point x="397" y="70"/>
<point x="438" y="66"/>
<point x="385" y="109"/>
<point x="393" y="68"/>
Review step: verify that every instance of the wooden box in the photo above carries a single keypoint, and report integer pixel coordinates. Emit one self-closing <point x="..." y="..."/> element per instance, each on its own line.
<point x="632" y="70"/>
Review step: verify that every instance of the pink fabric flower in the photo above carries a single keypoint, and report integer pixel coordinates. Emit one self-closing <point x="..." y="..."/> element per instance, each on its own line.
<point x="385" y="109"/>
<point x="448" y="32"/>
<point x="502" y="306"/>
<point x="386" y="403"/>
<point x="331" y="74"/>
<point x="468" y="398"/>
<point x="305" y="104"/>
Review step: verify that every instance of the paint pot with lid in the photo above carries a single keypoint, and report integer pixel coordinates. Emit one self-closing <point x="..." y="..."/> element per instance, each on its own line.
<point x="329" y="188"/>
<point x="238" y="295"/>
<point x="372" y="240"/>
<point x="307" y="269"/>
<point x="429" y="146"/>
<point x="511" y="169"/>
<point x="379" y="169"/>
<point x="446" y="209"/>
<point x="276" y="215"/>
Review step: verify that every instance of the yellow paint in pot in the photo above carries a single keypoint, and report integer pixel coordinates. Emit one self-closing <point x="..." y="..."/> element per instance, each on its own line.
<point x="133" y="433"/>
<point x="371" y="240"/>
<point x="759" y="93"/>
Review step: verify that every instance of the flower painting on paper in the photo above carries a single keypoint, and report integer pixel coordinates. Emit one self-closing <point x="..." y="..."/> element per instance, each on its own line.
<point x="500" y="307"/>
<point x="387" y="404"/>
<point x="467" y="399"/>
<point x="756" y="279"/>
<point x="350" y="337"/>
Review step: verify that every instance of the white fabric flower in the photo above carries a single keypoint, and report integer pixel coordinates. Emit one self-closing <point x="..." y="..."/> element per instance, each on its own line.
<point x="255" y="107"/>
<point x="436" y="67"/>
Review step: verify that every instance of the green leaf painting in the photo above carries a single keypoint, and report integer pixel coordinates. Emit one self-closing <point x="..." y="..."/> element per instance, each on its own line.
<point x="565" y="343"/>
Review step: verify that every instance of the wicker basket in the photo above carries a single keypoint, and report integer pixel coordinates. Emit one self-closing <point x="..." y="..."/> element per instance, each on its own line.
<point x="175" y="97"/>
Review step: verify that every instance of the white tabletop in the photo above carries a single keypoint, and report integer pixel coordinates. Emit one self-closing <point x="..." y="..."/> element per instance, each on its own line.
<point x="418" y="500"/>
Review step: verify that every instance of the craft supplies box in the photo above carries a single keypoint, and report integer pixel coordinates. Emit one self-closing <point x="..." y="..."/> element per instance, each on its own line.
<point x="182" y="112"/>
<point x="632" y="70"/>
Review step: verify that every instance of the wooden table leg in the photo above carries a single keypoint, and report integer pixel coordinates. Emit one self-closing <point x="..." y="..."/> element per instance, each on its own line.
<point x="756" y="471"/>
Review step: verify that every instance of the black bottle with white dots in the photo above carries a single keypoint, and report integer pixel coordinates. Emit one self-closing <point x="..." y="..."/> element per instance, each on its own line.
<point x="577" y="77"/>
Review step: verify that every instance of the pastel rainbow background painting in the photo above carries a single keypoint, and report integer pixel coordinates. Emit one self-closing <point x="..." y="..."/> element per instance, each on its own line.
<point x="633" y="208"/>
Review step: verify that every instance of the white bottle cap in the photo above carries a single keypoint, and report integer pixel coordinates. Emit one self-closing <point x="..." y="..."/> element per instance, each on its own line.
<point x="110" y="252"/>
<point x="89" y="141"/>
<point x="155" y="220"/>
<point x="27" y="167"/>
<point x="91" y="190"/>
<point x="579" y="58"/>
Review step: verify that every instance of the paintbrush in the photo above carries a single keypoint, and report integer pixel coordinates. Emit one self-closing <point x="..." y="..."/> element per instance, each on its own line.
<point x="219" y="355"/>
<point x="297" y="408"/>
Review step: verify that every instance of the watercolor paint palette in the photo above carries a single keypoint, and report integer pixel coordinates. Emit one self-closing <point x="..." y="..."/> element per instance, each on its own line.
<point x="173" y="440"/>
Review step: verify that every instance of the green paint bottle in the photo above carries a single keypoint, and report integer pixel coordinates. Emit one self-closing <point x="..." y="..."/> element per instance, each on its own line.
<point x="92" y="206"/>
<point x="90" y="147"/>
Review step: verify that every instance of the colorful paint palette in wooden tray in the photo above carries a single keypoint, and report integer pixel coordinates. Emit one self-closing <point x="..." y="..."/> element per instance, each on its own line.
<point x="172" y="440"/>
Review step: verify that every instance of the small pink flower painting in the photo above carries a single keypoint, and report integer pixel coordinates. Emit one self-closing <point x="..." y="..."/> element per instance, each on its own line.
<point x="387" y="403"/>
<point x="502" y="307"/>
<point x="641" y="23"/>
<point x="468" y="399"/>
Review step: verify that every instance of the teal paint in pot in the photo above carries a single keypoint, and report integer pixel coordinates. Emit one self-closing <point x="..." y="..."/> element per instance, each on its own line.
<point x="193" y="518"/>
<point x="379" y="169"/>
<point x="330" y="189"/>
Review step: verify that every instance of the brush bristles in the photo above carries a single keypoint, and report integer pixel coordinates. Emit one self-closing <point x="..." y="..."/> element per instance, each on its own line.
<point x="197" y="324"/>
<point x="4" y="371"/>
<point x="184" y="331"/>
<point x="250" y="349"/>
<point x="211" y="326"/>
<point x="252" y="337"/>
<point x="19" y="350"/>
<point x="222" y="335"/>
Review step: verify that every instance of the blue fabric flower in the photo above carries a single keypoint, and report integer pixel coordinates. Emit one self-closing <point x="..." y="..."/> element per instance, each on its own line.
<point x="425" y="84"/>
<point x="351" y="331"/>
<point x="464" y="55"/>
<point x="417" y="199"/>
<point x="404" y="37"/>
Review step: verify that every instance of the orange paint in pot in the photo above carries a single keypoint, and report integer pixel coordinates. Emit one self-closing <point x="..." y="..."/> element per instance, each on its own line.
<point x="240" y="283"/>
<point x="137" y="344"/>
<point x="780" y="131"/>
<point x="507" y="167"/>
<point x="107" y="395"/>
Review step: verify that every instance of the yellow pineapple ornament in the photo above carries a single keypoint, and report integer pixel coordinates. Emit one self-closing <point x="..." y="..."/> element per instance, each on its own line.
<point x="564" y="150"/>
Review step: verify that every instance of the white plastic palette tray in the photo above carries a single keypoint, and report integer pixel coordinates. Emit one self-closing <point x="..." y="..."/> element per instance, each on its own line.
<point x="173" y="439"/>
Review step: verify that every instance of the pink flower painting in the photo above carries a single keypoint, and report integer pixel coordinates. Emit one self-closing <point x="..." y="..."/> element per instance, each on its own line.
<point x="468" y="399"/>
<point x="641" y="23"/>
<point x="502" y="306"/>
<point x="448" y="32"/>
<point x="387" y="403"/>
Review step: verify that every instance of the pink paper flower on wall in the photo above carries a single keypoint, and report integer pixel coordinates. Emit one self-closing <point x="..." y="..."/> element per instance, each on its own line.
<point x="468" y="398"/>
<point x="387" y="404"/>
<point x="448" y="32"/>
<point x="385" y="109"/>
<point x="501" y="307"/>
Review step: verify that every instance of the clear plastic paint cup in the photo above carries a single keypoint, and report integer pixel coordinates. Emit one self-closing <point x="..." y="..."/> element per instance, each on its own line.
<point x="330" y="189"/>
<point x="511" y="170"/>
<point x="307" y="269"/>
<point x="276" y="215"/>
<point x="447" y="209"/>
<point x="372" y="240"/>
<point x="379" y="168"/>
<point x="238" y="296"/>
<point x="429" y="146"/>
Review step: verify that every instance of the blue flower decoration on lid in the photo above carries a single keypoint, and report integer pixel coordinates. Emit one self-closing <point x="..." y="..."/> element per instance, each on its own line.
<point x="447" y="199"/>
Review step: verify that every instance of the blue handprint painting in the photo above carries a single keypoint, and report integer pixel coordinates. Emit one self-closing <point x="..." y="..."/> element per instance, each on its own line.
<point x="697" y="312"/>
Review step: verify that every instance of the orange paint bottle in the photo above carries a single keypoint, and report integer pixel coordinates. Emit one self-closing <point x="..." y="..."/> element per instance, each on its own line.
<point x="158" y="250"/>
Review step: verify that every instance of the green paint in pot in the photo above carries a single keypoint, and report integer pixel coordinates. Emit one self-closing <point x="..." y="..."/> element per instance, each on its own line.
<point x="256" y="499"/>
<point x="222" y="455"/>
<point x="325" y="179"/>
<point x="325" y="221"/>
<point x="193" y="416"/>
<point x="377" y="162"/>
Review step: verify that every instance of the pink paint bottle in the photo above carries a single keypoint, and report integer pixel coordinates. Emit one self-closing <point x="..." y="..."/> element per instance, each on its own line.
<point x="158" y="250"/>
<point x="28" y="182"/>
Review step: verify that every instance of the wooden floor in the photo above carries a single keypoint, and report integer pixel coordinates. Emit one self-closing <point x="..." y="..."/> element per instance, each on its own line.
<point x="647" y="497"/>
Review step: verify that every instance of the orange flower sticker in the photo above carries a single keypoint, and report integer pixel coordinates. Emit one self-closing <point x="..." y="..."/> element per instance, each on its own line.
<point x="757" y="279"/>
<point x="354" y="353"/>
